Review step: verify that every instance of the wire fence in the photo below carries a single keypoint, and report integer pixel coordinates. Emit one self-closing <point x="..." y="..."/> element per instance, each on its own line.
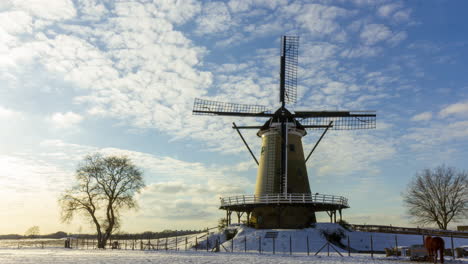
<point x="209" y="241"/>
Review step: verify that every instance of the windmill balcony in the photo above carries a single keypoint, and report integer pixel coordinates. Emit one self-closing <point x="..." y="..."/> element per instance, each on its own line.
<point x="286" y="199"/>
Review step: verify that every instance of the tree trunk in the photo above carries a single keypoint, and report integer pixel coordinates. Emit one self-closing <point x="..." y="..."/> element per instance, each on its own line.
<point x="102" y="243"/>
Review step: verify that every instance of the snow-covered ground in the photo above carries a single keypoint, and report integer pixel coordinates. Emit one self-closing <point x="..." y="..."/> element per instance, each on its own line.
<point x="358" y="241"/>
<point x="64" y="256"/>
<point x="246" y="239"/>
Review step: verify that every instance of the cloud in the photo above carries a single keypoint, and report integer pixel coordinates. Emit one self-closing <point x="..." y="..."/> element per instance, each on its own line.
<point x="374" y="33"/>
<point x="387" y="10"/>
<point x="361" y="52"/>
<point x="397" y="38"/>
<point x="17" y="21"/>
<point x="214" y="18"/>
<point x="53" y="10"/>
<point x="6" y="113"/>
<point x="437" y="137"/>
<point x="460" y="109"/>
<point x="321" y="19"/>
<point x="347" y="152"/>
<point x="65" y="120"/>
<point x="425" y="116"/>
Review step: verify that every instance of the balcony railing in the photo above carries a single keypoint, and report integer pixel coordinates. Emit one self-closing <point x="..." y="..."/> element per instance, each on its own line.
<point x="290" y="198"/>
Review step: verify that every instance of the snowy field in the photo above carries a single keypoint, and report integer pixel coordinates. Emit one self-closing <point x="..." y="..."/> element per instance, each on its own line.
<point x="64" y="256"/>
<point x="245" y="239"/>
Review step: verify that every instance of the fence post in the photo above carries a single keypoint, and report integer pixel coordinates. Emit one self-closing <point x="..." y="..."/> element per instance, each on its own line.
<point x="349" y="248"/>
<point x="165" y="245"/>
<point x="396" y="246"/>
<point x="259" y="245"/>
<point x="207" y="239"/>
<point x="185" y="243"/>
<point x="453" y="250"/>
<point x="141" y="244"/>
<point x="372" y="246"/>
<point x="232" y="244"/>
<point x="308" y="246"/>
<point x="328" y="248"/>
<point x="273" y="245"/>
<point x="196" y="243"/>
<point x="245" y="244"/>
<point x="176" y="248"/>
<point x="290" y="245"/>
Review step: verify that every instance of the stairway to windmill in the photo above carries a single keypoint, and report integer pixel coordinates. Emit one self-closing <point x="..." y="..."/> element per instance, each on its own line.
<point x="282" y="197"/>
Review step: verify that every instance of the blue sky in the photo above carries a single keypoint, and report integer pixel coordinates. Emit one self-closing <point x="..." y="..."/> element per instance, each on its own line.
<point x="119" y="77"/>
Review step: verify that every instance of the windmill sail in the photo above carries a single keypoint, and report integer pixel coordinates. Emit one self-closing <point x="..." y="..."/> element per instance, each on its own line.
<point x="207" y="107"/>
<point x="342" y="120"/>
<point x="288" y="72"/>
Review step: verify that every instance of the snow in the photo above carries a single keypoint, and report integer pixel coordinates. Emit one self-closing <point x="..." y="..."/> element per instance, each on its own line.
<point x="246" y="239"/>
<point x="64" y="256"/>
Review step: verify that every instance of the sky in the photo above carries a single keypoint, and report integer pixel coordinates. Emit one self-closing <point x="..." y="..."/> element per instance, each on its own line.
<point x="119" y="78"/>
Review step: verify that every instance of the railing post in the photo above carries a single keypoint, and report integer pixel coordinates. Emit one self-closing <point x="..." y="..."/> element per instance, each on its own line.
<point x="243" y="197"/>
<point x="290" y="198"/>
<point x="303" y="197"/>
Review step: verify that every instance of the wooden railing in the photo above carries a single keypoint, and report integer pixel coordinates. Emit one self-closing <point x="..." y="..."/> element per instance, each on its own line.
<point x="290" y="198"/>
<point x="409" y="230"/>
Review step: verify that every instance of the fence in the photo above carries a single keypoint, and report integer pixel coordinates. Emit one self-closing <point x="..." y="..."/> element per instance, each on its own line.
<point x="409" y="230"/>
<point x="263" y="242"/>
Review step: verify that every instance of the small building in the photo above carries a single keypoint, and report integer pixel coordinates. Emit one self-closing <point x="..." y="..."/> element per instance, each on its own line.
<point x="462" y="228"/>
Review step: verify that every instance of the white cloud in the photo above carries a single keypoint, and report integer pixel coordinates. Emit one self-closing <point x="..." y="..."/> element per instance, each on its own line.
<point x="425" y="116"/>
<point x="6" y="113"/>
<point x="17" y="21"/>
<point x="402" y="16"/>
<point x="387" y="10"/>
<point x="65" y="120"/>
<point x="361" y="52"/>
<point x="237" y="6"/>
<point x="397" y="38"/>
<point x="52" y="10"/>
<point x="214" y="18"/>
<point x="374" y="33"/>
<point x="460" y="109"/>
<point x="321" y="19"/>
<point x="346" y="152"/>
<point x="335" y="88"/>
<point x="175" y="11"/>
<point x="436" y="138"/>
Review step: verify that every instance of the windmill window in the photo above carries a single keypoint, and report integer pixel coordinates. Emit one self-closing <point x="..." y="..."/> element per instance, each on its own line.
<point x="263" y="150"/>
<point x="292" y="147"/>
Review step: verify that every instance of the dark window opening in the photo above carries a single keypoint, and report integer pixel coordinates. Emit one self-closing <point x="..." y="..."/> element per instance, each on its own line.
<point x="292" y="147"/>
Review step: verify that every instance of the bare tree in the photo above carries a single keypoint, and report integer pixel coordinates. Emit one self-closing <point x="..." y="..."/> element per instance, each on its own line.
<point x="32" y="232"/>
<point x="437" y="196"/>
<point x="104" y="187"/>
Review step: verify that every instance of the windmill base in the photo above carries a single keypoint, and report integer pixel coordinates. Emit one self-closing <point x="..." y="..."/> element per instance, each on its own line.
<point x="290" y="217"/>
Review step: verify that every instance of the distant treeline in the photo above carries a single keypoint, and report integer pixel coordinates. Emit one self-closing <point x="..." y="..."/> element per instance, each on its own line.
<point x="144" y="235"/>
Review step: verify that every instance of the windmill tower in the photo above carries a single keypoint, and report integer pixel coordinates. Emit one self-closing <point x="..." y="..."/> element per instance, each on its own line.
<point x="282" y="196"/>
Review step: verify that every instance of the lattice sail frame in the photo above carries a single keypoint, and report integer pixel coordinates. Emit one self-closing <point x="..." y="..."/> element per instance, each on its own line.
<point x="208" y="107"/>
<point x="340" y="123"/>
<point x="290" y="51"/>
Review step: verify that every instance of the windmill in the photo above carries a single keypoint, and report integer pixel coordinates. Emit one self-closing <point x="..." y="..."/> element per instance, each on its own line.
<point x="282" y="196"/>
